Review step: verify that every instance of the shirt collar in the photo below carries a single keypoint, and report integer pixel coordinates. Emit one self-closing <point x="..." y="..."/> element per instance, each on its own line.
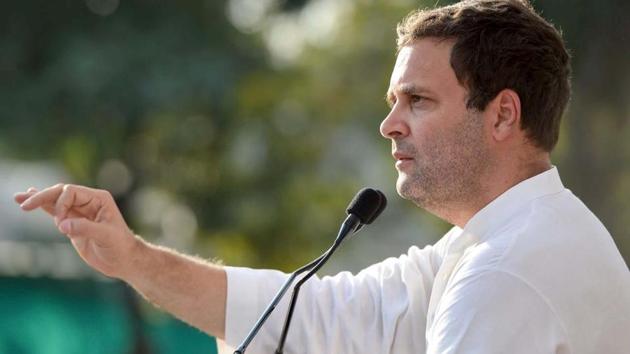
<point x="511" y="201"/>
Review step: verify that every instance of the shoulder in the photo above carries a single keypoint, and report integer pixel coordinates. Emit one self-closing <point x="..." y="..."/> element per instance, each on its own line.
<point x="552" y="235"/>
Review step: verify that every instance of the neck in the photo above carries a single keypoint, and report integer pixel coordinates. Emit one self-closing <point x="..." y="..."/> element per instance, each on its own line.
<point x="496" y="182"/>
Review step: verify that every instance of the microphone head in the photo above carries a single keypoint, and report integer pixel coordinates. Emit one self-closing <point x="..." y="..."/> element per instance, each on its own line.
<point x="367" y="205"/>
<point x="381" y="206"/>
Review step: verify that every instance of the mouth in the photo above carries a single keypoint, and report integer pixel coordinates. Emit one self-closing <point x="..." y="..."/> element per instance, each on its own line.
<point x="403" y="162"/>
<point x="402" y="159"/>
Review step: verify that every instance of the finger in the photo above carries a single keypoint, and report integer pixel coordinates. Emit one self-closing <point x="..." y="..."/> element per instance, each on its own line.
<point x="82" y="227"/>
<point x="46" y="196"/>
<point x="20" y="197"/>
<point x="64" y="203"/>
<point x="77" y="200"/>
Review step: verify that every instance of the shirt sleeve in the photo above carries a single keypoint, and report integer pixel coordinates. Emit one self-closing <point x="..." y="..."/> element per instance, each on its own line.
<point x="382" y="309"/>
<point x="494" y="312"/>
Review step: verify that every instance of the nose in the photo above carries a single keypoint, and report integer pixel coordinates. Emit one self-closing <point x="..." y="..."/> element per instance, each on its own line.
<point x="394" y="125"/>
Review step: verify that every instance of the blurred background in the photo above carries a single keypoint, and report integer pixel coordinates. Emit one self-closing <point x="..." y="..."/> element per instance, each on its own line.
<point x="237" y="130"/>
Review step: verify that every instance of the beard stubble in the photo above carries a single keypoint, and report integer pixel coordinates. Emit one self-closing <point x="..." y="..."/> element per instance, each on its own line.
<point x="448" y="169"/>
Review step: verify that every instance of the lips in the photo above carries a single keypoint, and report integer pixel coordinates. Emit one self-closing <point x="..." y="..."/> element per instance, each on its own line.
<point x="402" y="159"/>
<point x="399" y="156"/>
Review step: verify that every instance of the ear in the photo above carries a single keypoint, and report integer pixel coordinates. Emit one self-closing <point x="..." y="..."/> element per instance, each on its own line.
<point x="506" y="115"/>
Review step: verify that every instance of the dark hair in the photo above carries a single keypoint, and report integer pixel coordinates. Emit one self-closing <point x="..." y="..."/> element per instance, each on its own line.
<point x="501" y="44"/>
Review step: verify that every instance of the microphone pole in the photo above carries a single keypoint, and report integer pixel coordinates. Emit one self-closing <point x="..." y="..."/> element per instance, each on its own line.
<point x="272" y="305"/>
<point x="363" y="209"/>
<point x="369" y="204"/>
<point x="298" y="285"/>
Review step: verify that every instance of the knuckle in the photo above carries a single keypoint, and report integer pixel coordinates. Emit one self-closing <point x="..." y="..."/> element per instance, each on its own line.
<point x="105" y="194"/>
<point x="69" y="188"/>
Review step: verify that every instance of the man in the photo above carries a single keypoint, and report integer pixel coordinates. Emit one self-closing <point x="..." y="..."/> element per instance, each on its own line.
<point x="476" y="97"/>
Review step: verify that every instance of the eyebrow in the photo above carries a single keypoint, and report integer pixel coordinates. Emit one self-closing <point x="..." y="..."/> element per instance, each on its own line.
<point x="405" y="89"/>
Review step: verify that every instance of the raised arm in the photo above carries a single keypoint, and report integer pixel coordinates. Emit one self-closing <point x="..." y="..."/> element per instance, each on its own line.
<point x="188" y="287"/>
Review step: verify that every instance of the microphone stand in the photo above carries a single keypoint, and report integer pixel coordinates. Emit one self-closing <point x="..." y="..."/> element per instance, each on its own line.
<point x="349" y="225"/>
<point x="263" y="318"/>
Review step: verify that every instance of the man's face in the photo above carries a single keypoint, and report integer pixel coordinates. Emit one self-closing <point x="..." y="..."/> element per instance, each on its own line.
<point x="439" y="145"/>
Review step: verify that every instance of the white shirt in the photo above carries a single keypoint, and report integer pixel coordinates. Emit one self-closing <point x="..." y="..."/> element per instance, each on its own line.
<point x="532" y="272"/>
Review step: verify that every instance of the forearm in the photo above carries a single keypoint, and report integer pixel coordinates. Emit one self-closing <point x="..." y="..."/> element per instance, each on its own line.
<point x="188" y="287"/>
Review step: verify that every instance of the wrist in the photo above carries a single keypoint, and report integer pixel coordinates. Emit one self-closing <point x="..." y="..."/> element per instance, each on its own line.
<point x="137" y="254"/>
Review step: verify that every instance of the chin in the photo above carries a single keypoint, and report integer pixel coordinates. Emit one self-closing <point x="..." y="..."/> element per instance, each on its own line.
<point x="403" y="187"/>
<point x="410" y="189"/>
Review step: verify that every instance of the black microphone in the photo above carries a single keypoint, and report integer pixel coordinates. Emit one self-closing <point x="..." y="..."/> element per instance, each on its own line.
<point x="364" y="208"/>
<point x="367" y="205"/>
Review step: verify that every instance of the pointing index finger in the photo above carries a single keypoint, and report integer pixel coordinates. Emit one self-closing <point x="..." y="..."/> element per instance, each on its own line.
<point x="20" y="197"/>
<point x="48" y="195"/>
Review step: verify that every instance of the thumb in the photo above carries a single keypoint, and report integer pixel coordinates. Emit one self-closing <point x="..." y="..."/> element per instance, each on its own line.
<point x="82" y="227"/>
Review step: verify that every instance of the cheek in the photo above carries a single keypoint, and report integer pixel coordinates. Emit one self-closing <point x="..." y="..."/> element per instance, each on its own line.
<point x="437" y="137"/>
<point x="426" y="131"/>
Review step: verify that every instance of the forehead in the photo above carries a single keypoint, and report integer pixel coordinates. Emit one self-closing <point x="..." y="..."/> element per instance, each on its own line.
<point x="425" y="63"/>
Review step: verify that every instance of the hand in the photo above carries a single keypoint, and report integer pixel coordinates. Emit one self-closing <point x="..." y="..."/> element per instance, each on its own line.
<point x="92" y="221"/>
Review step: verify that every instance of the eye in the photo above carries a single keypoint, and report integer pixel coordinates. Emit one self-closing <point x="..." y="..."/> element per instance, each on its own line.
<point x="417" y="98"/>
